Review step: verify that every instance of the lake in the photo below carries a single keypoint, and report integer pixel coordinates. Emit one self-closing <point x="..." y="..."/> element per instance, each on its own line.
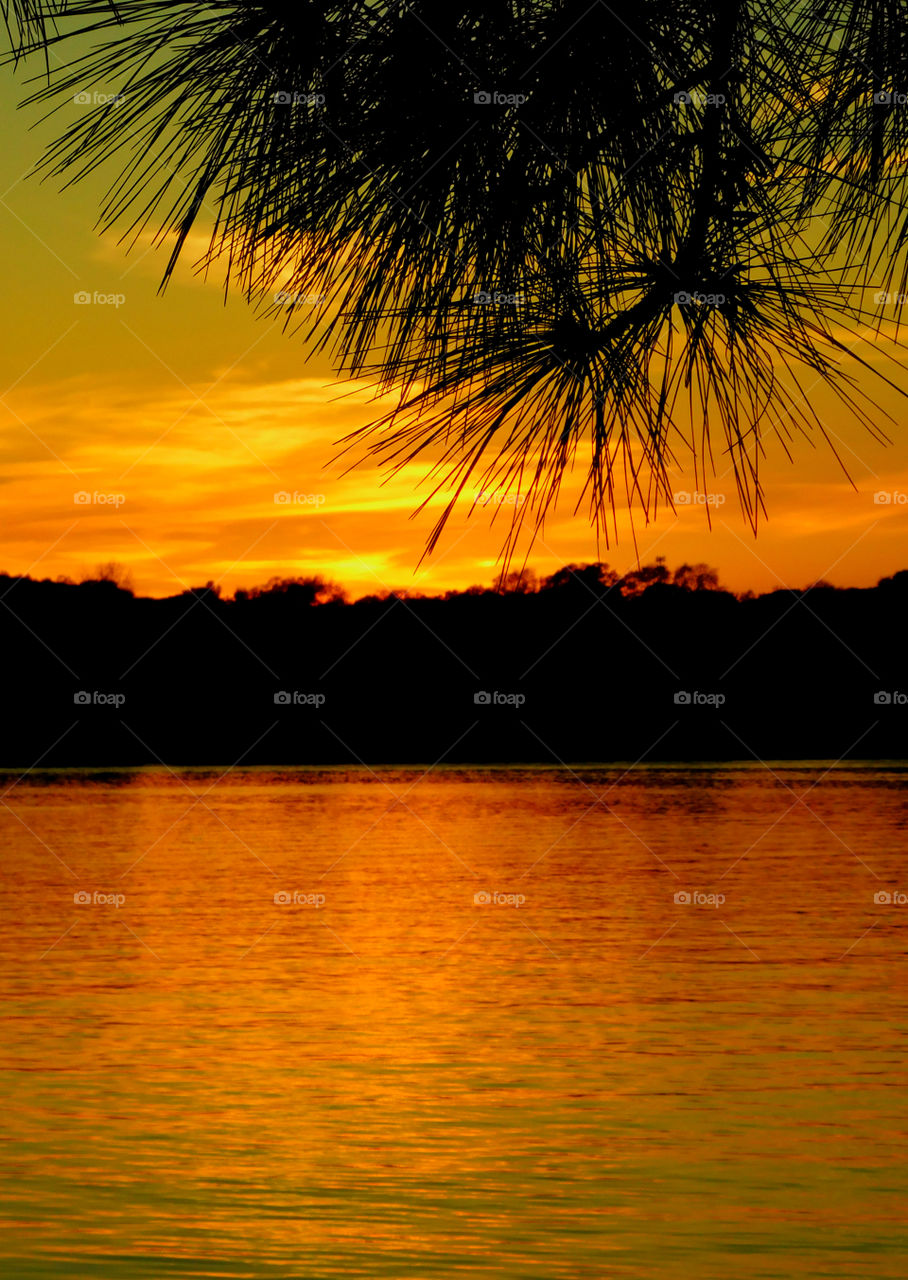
<point x="494" y="1022"/>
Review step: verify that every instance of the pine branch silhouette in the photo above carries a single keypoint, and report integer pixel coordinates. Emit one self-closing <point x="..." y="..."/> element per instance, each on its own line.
<point x="615" y="236"/>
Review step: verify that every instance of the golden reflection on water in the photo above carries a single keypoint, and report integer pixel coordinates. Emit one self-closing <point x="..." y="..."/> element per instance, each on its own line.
<point x="595" y="1080"/>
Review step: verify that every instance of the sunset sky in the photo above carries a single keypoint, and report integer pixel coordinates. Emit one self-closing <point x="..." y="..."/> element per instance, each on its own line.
<point x="198" y="413"/>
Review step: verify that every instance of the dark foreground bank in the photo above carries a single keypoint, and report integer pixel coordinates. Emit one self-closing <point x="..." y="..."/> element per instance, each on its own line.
<point x="581" y="667"/>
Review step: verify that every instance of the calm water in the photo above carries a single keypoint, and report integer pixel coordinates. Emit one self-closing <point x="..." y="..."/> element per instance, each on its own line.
<point x="385" y="1077"/>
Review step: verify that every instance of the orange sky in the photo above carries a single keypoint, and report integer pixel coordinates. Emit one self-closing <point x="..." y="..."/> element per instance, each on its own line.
<point x="193" y="415"/>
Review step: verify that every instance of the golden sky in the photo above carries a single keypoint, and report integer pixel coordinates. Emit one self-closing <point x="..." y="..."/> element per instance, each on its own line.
<point x="187" y="416"/>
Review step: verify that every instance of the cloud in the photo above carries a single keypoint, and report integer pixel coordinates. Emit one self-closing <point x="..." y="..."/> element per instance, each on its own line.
<point x="198" y="469"/>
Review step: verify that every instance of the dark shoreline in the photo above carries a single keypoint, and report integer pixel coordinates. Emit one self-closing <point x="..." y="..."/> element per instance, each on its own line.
<point x="582" y="670"/>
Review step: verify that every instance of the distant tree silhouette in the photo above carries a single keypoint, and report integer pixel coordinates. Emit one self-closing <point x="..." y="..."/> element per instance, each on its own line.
<point x="696" y="577"/>
<point x="211" y="591"/>
<point x="639" y="230"/>
<point x="297" y="591"/>
<point x="595" y="578"/>
<point x="660" y="661"/>
<point x="898" y="581"/>
<point x="113" y="573"/>
<point x="648" y="575"/>
<point x="523" y="582"/>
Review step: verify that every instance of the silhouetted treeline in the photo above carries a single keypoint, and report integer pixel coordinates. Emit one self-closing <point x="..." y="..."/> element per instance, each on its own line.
<point x="580" y="666"/>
